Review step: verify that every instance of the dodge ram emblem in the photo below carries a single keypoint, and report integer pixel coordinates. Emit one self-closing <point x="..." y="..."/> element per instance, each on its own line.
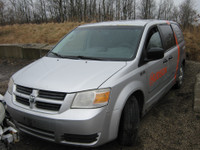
<point x="31" y="100"/>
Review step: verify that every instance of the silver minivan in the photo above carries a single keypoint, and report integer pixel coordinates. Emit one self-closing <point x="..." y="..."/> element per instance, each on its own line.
<point x="97" y="82"/>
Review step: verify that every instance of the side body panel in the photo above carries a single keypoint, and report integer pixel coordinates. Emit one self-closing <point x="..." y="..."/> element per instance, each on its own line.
<point x="133" y="78"/>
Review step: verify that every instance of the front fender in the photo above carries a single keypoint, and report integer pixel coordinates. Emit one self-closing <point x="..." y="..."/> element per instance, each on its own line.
<point x="126" y="92"/>
<point x="118" y="100"/>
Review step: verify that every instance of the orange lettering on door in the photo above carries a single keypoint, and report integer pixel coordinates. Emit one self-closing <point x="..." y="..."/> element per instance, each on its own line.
<point x="155" y="76"/>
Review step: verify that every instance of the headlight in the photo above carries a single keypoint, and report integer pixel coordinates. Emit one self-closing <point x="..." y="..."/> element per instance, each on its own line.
<point x="91" y="99"/>
<point x="10" y="86"/>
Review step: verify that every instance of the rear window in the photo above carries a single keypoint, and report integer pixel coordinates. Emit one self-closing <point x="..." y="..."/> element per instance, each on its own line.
<point x="168" y="36"/>
<point x="178" y="33"/>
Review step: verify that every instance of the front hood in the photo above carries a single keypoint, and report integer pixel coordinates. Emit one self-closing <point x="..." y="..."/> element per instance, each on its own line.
<point x="66" y="75"/>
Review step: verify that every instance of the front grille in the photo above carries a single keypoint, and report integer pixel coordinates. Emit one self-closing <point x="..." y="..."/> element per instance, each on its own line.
<point x="52" y="95"/>
<point x="39" y="100"/>
<point x="48" y="106"/>
<point x="22" y="100"/>
<point x="24" y="90"/>
<point x="80" y="138"/>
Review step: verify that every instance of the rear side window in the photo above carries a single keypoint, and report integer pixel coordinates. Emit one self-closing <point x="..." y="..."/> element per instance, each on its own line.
<point x="168" y="36"/>
<point x="178" y="33"/>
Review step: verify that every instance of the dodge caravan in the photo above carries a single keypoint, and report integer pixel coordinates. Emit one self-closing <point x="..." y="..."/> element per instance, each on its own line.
<point x="97" y="82"/>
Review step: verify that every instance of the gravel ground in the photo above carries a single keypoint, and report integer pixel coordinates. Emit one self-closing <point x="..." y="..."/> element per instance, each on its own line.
<point x="170" y="124"/>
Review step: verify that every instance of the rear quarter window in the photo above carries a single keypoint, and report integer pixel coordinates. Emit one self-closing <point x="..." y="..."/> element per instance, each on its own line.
<point x="167" y="36"/>
<point x="178" y="33"/>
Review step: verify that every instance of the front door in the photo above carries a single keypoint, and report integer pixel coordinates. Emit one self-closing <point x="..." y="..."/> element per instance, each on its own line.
<point x="157" y="71"/>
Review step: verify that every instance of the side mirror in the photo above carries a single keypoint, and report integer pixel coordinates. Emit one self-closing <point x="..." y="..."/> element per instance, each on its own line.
<point x="155" y="54"/>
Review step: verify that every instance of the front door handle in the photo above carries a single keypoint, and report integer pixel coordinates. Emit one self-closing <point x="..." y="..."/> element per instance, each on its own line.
<point x="165" y="61"/>
<point x="170" y="57"/>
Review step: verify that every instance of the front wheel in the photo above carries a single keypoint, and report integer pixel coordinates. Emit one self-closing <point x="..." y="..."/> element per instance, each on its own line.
<point x="129" y="123"/>
<point x="2" y="146"/>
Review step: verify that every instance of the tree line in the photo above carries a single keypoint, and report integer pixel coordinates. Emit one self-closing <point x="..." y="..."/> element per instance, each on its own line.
<point x="43" y="11"/>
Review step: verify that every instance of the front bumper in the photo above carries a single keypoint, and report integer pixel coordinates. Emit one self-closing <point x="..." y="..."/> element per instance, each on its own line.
<point x="83" y="127"/>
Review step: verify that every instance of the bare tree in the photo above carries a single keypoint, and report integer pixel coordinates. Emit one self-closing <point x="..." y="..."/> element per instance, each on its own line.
<point x="165" y="9"/>
<point x="79" y="8"/>
<point x="169" y="4"/>
<point x="2" y="6"/>
<point x="94" y="10"/>
<point x="85" y="10"/>
<point x="110" y="10"/>
<point x="39" y="11"/>
<point x="118" y="9"/>
<point x="104" y="10"/>
<point x="72" y="10"/>
<point x="60" y="9"/>
<point x="26" y="5"/>
<point x="99" y="12"/>
<point x="12" y="10"/>
<point x="124" y="9"/>
<point x="42" y="10"/>
<point x="134" y="9"/>
<point x="160" y="9"/>
<point x="175" y="14"/>
<point x="130" y="8"/>
<point x="147" y="8"/>
<point x="187" y="13"/>
<point x="21" y="12"/>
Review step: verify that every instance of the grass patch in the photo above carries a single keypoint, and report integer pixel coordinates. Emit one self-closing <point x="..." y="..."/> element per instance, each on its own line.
<point x="49" y="33"/>
<point x="192" y="39"/>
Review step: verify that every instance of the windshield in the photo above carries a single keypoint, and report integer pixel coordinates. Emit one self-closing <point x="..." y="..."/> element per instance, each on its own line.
<point x="100" y="43"/>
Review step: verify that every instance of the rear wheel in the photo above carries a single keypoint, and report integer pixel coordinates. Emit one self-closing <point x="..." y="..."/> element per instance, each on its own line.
<point x="179" y="81"/>
<point x="129" y="123"/>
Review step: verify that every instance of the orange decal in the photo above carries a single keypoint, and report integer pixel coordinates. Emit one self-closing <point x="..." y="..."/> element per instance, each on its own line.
<point x="178" y="52"/>
<point x="178" y="56"/>
<point x="155" y="76"/>
<point x="168" y="22"/>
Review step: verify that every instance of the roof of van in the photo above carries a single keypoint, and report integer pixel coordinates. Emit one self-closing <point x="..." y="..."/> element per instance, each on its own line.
<point x="124" y="23"/>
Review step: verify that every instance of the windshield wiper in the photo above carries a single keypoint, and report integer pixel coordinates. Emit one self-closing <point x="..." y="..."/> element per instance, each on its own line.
<point x="76" y="57"/>
<point x="56" y="54"/>
<point x="83" y="57"/>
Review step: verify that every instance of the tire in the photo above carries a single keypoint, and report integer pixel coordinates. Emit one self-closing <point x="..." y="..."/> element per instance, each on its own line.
<point x="2" y="146"/>
<point x="130" y="118"/>
<point x="179" y="81"/>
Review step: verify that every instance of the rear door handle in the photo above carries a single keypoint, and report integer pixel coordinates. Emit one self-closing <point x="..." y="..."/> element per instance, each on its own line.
<point x="165" y="61"/>
<point x="170" y="57"/>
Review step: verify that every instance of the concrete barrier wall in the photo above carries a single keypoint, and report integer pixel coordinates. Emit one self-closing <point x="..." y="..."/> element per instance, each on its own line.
<point x="25" y="51"/>
<point x="197" y="94"/>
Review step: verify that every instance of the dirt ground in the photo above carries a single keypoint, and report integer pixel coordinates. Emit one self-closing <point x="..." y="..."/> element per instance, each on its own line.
<point x="170" y="125"/>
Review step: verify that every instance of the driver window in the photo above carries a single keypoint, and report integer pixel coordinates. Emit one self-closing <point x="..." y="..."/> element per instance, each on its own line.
<point x="154" y="40"/>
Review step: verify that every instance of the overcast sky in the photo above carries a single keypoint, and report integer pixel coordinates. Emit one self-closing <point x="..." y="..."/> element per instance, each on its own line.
<point x="196" y="4"/>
